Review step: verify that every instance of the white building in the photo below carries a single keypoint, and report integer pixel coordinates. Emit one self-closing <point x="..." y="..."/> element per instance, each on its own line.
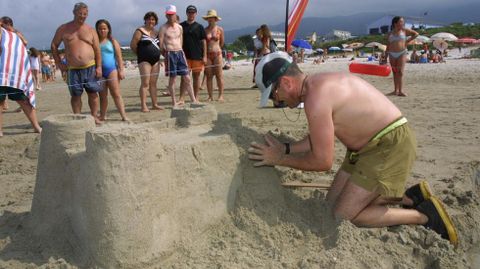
<point x="337" y="35"/>
<point x="279" y="38"/>
<point x="382" y="25"/>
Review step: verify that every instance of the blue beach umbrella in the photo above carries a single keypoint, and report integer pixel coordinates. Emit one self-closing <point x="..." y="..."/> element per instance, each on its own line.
<point x="303" y="44"/>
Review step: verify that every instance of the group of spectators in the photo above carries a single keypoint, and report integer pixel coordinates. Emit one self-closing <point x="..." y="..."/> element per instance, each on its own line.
<point x="425" y="56"/>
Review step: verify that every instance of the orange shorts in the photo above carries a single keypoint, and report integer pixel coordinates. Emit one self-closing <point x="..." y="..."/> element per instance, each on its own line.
<point x="195" y="65"/>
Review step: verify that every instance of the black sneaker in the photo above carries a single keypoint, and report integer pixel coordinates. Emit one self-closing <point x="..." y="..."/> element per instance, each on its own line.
<point x="438" y="219"/>
<point x="418" y="193"/>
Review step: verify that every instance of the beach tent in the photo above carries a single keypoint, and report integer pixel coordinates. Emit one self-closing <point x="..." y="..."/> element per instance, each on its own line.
<point x="443" y="36"/>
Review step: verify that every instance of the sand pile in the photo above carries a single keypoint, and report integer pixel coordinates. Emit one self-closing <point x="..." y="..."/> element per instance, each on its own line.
<point x="124" y="196"/>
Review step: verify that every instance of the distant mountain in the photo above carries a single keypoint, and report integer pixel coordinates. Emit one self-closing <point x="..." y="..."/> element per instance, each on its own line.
<point x="357" y="24"/>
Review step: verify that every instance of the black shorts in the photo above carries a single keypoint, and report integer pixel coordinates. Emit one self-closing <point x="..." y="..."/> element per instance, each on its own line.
<point x="12" y="93"/>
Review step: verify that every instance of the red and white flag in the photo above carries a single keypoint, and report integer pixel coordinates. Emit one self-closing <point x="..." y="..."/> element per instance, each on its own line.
<point x="293" y="21"/>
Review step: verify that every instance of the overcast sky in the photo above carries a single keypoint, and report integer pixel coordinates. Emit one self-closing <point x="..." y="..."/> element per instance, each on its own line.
<point x="38" y="19"/>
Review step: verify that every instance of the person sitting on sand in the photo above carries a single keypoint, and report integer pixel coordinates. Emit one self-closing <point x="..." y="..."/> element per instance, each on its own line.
<point x="171" y="40"/>
<point x="84" y="59"/>
<point x="21" y="89"/>
<point x="381" y="147"/>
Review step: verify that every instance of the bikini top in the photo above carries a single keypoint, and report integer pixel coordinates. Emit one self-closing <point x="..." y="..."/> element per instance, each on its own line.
<point x="399" y="37"/>
<point x="212" y="37"/>
<point x="148" y="39"/>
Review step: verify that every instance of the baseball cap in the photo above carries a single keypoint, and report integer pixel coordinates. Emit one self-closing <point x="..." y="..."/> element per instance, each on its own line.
<point x="191" y="8"/>
<point x="270" y="68"/>
<point x="171" y="9"/>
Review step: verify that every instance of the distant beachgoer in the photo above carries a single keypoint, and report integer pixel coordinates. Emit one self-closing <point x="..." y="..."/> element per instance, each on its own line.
<point x="84" y="58"/>
<point x="35" y="66"/>
<point x="45" y="67"/>
<point x="195" y="48"/>
<point x="257" y="51"/>
<point x="381" y="147"/>
<point x="171" y="36"/>
<point x="145" y="45"/>
<point x="17" y="65"/>
<point x="397" y="41"/>
<point x="53" y="69"/>
<point x="112" y="69"/>
<point x="215" y="43"/>
<point x="266" y="39"/>
<point x="63" y="60"/>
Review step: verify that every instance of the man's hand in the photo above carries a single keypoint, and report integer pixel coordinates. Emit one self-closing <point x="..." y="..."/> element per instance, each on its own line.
<point x="267" y="154"/>
<point x="98" y="72"/>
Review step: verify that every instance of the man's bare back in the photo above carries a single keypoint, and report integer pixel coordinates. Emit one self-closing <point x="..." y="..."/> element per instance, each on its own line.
<point x="357" y="110"/>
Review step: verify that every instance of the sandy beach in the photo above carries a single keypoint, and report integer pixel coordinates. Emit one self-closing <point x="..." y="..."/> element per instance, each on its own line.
<point x="273" y="227"/>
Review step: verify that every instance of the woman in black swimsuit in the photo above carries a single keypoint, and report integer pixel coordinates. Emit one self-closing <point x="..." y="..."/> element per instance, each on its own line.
<point x="145" y="44"/>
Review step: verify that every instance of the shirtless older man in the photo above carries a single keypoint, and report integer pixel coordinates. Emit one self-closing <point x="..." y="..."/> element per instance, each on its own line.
<point x="380" y="146"/>
<point x="83" y="55"/>
<point x="171" y="40"/>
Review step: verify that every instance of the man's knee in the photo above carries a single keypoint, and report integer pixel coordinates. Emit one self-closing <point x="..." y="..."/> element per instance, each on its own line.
<point x="342" y="214"/>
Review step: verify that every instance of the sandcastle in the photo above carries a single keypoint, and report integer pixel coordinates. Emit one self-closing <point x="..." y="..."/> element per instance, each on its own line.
<point x="125" y="195"/>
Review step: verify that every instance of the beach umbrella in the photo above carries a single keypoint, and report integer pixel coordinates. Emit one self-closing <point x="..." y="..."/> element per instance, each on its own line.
<point x="334" y="48"/>
<point x="440" y="45"/>
<point x="382" y="47"/>
<point x="443" y="36"/>
<point x="355" y="45"/>
<point x="422" y="39"/>
<point x="347" y="49"/>
<point x="319" y="50"/>
<point x="466" y="40"/>
<point x="300" y="43"/>
<point x="373" y="44"/>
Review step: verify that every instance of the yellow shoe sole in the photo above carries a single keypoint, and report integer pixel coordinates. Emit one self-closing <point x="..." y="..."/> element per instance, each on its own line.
<point x="425" y="189"/>
<point x="451" y="230"/>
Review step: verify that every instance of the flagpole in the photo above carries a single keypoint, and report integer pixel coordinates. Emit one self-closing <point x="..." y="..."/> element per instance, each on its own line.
<point x="286" y="27"/>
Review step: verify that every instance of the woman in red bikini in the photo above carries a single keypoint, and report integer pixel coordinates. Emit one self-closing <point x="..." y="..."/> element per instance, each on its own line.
<point x="397" y="41"/>
<point x="215" y="42"/>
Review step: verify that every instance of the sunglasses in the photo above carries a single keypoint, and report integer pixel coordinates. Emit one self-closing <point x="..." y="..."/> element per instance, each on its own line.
<point x="274" y="91"/>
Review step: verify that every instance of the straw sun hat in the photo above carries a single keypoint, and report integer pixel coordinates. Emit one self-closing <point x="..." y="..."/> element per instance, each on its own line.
<point x="212" y="13"/>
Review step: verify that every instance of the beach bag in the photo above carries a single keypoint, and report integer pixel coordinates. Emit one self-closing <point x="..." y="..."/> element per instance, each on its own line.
<point x="273" y="45"/>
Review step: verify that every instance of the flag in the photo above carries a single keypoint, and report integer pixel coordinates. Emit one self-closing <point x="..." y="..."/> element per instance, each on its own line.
<point x="15" y="69"/>
<point x="293" y="21"/>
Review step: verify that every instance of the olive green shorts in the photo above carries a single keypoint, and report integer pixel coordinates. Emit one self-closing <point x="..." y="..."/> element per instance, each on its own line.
<point x="383" y="165"/>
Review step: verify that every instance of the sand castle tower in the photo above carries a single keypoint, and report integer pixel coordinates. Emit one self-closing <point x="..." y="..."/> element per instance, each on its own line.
<point x="125" y="195"/>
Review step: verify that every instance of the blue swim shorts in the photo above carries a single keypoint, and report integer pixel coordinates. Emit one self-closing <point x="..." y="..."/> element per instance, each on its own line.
<point x="82" y="78"/>
<point x="176" y="64"/>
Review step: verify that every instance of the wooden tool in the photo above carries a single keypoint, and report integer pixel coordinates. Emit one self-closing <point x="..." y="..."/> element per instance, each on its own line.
<point x="299" y="184"/>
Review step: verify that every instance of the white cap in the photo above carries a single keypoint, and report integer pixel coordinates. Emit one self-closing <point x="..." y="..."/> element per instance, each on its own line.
<point x="270" y="68"/>
<point x="171" y="9"/>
